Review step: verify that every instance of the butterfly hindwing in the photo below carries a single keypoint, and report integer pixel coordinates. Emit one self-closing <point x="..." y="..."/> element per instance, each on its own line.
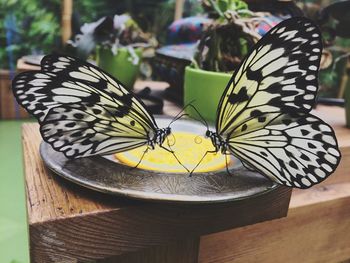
<point x="296" y="150"/>
<point x="83" y="130"/>
<point x="280" y="74"/>
<point x="32" y="90"/>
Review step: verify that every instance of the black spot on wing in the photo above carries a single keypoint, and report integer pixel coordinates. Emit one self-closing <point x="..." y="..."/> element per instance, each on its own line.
<point x="293" y="164"/>
<point x="261" y="119"/>
<point x="121" y="111"/>
<point x="240" y="97"/>
<point x="126" y="99"/>
<point x="92" y="99"/>
<point x="286" y="121"/>
<point x="263" y="153"/>
<point x="96" y="111"/>
<point x="304" y="132"/>
<point x="256" y="113"/>
<point x="79" y="116"/>
<point x="304" y="157"/>
<point x="70" y="124"/>
<point x="311" y="145"/>
<point x="255" y="75"/>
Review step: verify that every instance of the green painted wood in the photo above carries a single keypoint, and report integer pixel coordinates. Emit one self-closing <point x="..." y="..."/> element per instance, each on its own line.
<point x="13" y="223"/>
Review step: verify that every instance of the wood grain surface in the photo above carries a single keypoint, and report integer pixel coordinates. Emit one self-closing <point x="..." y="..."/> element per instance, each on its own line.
<point x="69" y="223"/>
<point x="317" y="229"/>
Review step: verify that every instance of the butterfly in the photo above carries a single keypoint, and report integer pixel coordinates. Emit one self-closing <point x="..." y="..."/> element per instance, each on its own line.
<point x="83" y="111"/>
<point x="263" y="115"/>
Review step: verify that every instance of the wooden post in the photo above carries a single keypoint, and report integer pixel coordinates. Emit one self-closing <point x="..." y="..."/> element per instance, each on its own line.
<point x="179" y="7"/>
<point x="67" y="10"/>
<point x="68" y="223"/>
<point x="8" y="103"/>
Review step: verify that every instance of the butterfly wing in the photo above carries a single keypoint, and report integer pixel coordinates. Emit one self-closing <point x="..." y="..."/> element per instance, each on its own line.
<point x="73" y="99"/>
<point x="78" y="131"/>
<point x="296" y="150"/>
<point x="263" y="115"/>
<point x="279" y="74"/>
<point x="32" y="90"/>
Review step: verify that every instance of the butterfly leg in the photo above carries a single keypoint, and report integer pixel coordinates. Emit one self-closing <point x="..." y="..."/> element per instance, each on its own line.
<point x="177" y="159"/>
<point x="214" y="151"/>
<point x="143" y="155"/>
<point x="227" y="163"/>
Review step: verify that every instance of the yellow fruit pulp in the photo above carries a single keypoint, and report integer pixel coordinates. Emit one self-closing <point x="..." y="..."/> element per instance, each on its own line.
<point x="189" y="149"/>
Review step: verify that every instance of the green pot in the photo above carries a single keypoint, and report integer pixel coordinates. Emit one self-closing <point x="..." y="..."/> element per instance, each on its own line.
<point x="347" y="101"/>
<point x="120" y="65"/>
<point x="205" y="89"/>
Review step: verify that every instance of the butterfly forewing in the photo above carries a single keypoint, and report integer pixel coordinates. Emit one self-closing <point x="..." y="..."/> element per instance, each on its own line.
<point x="279" y="75"/>
<point x="77" y="130"/>
<point x="85" y="72"/>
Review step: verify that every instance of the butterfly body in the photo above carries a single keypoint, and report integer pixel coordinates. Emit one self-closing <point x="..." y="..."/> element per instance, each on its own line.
<point x="159" y="137"/>
<point x="263" y="116"/>
<point x="218" y="142"/>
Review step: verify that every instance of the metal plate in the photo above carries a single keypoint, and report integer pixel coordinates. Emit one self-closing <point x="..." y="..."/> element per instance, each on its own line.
<point x="104" y="175"/>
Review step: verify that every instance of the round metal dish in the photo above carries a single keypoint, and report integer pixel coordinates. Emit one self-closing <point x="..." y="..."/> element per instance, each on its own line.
<point x="104" y="175"/>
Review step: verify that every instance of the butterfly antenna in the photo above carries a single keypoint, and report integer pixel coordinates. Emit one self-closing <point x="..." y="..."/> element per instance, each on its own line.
<point x="172" y="152"/>
<point x="199" y="162"/>
<point x="202" y="120"/>
<point x="179" y="115"/>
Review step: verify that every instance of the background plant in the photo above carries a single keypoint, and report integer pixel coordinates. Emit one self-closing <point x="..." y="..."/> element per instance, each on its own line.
<point x="32" y="25"/>
<point x="37" y="26"/>
<point x="229" y="38"/>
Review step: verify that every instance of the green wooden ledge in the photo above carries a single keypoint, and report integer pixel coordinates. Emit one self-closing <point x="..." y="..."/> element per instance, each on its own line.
<point x="13" y="224"/>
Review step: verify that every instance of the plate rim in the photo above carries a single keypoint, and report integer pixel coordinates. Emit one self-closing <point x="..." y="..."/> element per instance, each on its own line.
<point x="152" y="197"/>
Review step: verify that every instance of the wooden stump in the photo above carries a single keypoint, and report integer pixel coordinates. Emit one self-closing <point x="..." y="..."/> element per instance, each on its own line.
<point x="68" y="223"/>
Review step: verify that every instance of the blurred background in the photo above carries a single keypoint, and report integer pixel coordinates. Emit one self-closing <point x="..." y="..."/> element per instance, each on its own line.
<point x="182" y="43"/>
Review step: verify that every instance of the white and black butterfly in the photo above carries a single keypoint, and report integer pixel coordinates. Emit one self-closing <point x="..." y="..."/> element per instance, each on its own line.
<point x="83" y="111"/>
<point x="263" y="116"/>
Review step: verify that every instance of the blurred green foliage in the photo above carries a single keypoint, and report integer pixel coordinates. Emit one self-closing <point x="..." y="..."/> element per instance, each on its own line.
<point x="221" y="6"/>
<point x="36" y="27"/>
<point x="152" y="16"/>
<point x="331" y="77"/>
<point x="37" y="22"/>
<point x="224" y="43"/>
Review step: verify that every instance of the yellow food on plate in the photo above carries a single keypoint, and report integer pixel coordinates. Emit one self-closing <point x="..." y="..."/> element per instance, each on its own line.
<point x="188" y="147"/>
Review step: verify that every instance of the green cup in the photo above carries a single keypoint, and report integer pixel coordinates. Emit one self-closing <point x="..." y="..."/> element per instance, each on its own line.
<point x="120" y="65"/>
<point x="205" y="89"/>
